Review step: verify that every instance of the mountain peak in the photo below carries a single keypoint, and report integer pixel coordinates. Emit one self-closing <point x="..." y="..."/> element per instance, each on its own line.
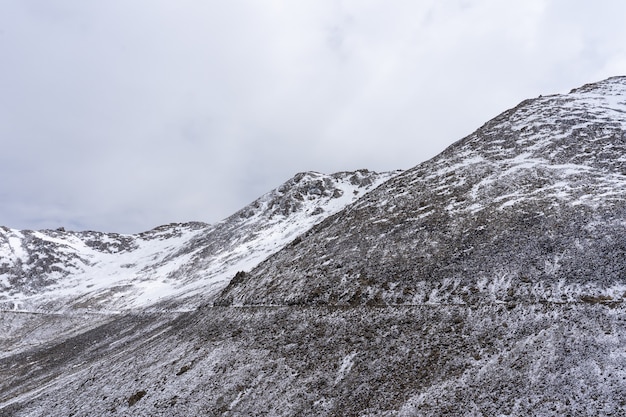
<point x="611" y="86"/>
<point x="313" y="192"/>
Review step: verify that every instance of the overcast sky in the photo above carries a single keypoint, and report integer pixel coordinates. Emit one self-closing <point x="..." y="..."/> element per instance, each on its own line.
<point x="122" y="115"/>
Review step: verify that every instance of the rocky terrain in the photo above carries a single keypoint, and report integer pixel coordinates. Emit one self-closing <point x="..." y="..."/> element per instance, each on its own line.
<point x="488" y="281"/>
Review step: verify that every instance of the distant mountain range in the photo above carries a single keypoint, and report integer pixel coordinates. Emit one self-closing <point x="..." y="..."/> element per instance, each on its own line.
<point x="177" y="264"/>
<point x="487" y="281"/>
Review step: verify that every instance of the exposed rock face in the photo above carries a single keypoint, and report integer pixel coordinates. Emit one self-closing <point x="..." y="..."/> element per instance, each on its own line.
<point x="487" y="281"/>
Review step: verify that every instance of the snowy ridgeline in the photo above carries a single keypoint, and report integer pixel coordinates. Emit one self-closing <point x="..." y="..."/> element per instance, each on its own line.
<point x="178" y="264"/>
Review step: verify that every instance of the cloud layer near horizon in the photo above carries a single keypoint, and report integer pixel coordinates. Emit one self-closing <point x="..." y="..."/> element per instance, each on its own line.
<point x="121" y="116"/>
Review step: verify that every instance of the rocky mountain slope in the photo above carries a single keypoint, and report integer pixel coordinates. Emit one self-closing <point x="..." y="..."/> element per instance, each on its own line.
<point x="488" y="281"/>
<point x="529" y="208"/>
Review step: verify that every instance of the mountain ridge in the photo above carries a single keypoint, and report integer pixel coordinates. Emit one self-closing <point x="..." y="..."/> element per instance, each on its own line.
<point x="52" y="269"/>
<point x="487" y="281"/>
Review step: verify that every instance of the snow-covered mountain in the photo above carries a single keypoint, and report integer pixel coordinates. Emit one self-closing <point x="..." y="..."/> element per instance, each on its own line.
<point x="488" y="281"/>
<point x="177" y="264"/>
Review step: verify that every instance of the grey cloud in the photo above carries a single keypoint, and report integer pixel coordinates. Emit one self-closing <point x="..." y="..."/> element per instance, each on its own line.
<point x="121" y="116"/>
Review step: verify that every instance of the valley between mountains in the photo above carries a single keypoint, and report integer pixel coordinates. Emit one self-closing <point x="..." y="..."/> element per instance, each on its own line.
<point x="487" y="281"/>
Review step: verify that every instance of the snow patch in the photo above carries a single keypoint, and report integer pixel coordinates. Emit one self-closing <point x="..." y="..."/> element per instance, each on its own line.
<point x="345" y="367"/>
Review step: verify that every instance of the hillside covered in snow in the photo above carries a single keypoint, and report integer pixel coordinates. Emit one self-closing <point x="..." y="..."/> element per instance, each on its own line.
<point x="487" y="281"/>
